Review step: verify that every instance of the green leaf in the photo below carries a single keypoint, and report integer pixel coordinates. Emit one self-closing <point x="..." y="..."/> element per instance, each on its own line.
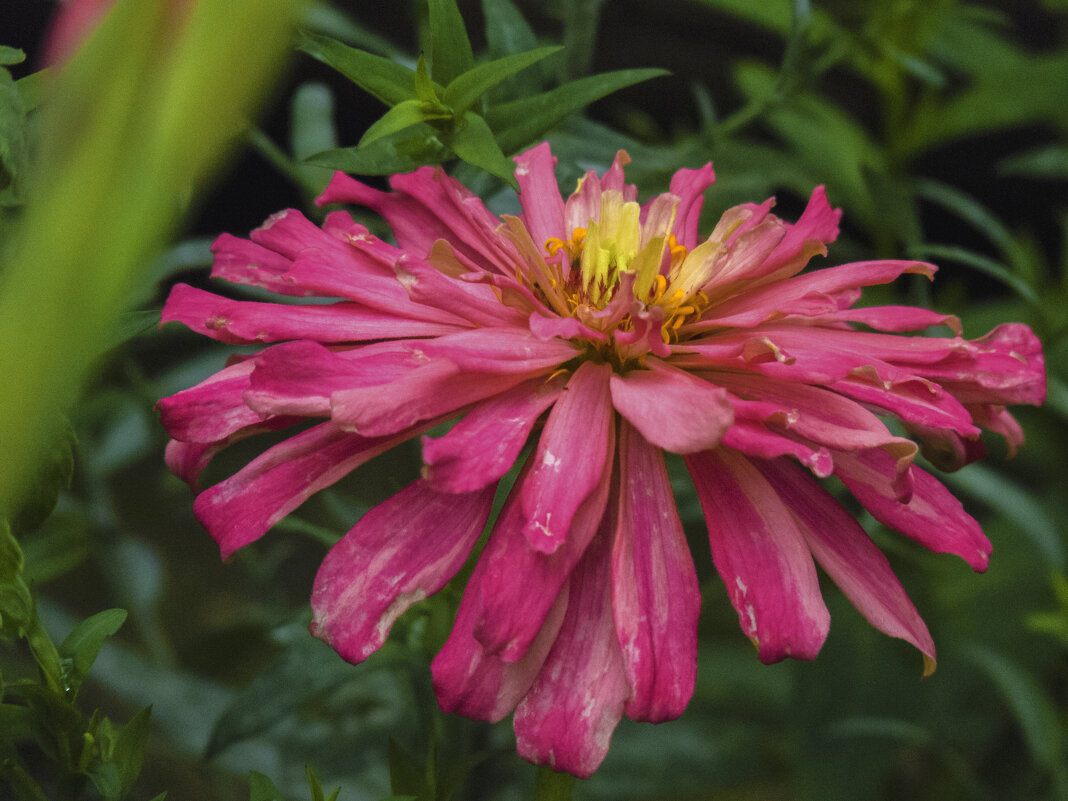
<point x="466" y="89"/>
<point x="1034" y="710"/>
<point x="1046" y="163"/>
<point x="517" y="123"/>
<point x="390" y="82"/>
<point x="16" y="603"/>
<point x="55" y="468"/>
<point x="402" y="152"/>
<point x="1017" y="504"/>
<point x="507" y="33"/>
<point x="980" y="263"/>
<point x="316" y="787"/>
<point x="450" y="49"/>
<point x="128" y="753"/>
<point x="262" y="788"/>
<point x="312" y="120"/>
<point x="401" y="116"/>
<point x="11" y="55"/>
<point x="473" y="141"/>
<point x="968" y="209"/>
<point x="424" y="87"/>
<point x="84" y="642"/>
<point x="20" y="782"/>
<point x="301" y="672"/>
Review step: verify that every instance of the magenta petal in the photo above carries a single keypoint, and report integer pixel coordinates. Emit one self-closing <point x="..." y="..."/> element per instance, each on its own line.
<point x="761" y="557"/>
<point x="672" y="409"/>
<point x="850" y="558"/>
<point x="240" y="509"/>
<point x="470" y="681"/>
<point x="213" y="409"/>
<point x="932" y="517"/>
<point x="500" y="350"/>
<point x="655" y="596"/>
<point x="514" y="611"/>
<point x="400" y="552"/>
<point x="567" y="718"/>
<point x="243" y="262"/>
<point x="689" y="186"/>
<point x="301" y="377"/>
<point x="436" y="388"/>
<point x="543" y="208"/>
<point x="572" y="452"/>
<point x="484" y="445"/>
<point x="476" y="302"/>
<point x="243" y="322"/>
<point x="754" y="438"/>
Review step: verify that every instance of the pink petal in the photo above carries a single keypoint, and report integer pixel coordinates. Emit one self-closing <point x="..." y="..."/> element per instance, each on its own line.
<point x="301" y="377"/>
<point x="546" y="328"/>
<point x="1005" y="366"/>
<point x="912" y="399"/>
<point x="810" y="294"/>
<point x="574" y="448"/>
<point x="514" y="611"/>
<point x="672" y="409"/>
<point x="243" y="322"/>
<point x="500" y="350"/>
<point x="932" y="517"/>
<point x="655" y="596"/>
<point x="469" y="681"/>
<point x="895" y="318"/>
<point x="761" y="557"/>
<point x="243" y="262"/>
<point x="543" y="208"/>
<point x="850" y="558"/>
<point x="567" y="718"/>
<point x="400" y="552"/>
<point x="290" y="233"/>
<point x="995" y="418"/>
<point x="689" y="186"/>
<point x="477" y="303"/>
<point x="753" y="438"/>
<point x="437" y="388"/>
<point x="213" y="409"/>
<point x="816" y="228"/>
<point x="483" y="446"/>
<point x="240" y="509"/>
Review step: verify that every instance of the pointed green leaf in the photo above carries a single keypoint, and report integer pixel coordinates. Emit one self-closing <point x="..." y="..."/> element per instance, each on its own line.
<point x="85" y="640"/>
<point x="424" y="87"/>
<point x="475" y="144"/>
<point x="262" y="788"/>
<point x="390" y="82"/>
<point x="402" y="152"/>
<point x="129" y="750"/>
<point x="450" y="49"/>
<point x="465" y="89"/>
<point x="316" y="786"/>
<point x="507" y="31"/>
<point x="312" y="120"/>
<point x="978" y="262"/>
<point x="401" y="116"/>
<point x="1046" y="163"/>
<point x="521" y="121"/>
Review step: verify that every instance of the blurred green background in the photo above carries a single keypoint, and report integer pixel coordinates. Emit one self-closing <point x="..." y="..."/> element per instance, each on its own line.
<point x="939" y="127"/>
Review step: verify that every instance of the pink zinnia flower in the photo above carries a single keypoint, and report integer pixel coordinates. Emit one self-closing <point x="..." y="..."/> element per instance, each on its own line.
<point x="602" y="332"/>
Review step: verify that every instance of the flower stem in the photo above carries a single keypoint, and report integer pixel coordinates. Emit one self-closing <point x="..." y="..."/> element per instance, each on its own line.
<point x="552" y="786"/>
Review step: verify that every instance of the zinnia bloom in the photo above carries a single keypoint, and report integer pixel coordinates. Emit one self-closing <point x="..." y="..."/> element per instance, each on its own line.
<point x="584" y="337"/>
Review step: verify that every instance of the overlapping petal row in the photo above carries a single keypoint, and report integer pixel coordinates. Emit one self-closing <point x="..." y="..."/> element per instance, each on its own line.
<point x="585" y="337"/>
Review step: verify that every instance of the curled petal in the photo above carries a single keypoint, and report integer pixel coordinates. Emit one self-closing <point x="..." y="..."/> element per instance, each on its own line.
<point x="761" y="556"/>
<point x="400" y="552"/>
<point x="689" y="186"/>
<point x="931" y="516"/>
<point x="213" y="409"/>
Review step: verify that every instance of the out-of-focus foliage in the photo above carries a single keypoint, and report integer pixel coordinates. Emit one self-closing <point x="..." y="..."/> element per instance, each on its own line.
<point x="941" y="129"/>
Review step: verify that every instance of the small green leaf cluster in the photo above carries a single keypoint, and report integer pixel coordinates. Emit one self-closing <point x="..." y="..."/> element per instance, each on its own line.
<point x="447" y="109"/>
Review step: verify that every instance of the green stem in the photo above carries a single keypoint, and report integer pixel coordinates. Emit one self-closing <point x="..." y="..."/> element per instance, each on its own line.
<point x="552" y="786"/>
